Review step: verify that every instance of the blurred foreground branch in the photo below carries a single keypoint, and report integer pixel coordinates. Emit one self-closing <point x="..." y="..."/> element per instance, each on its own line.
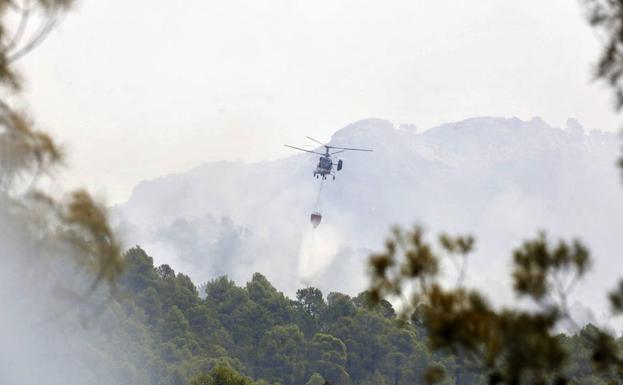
<point x="509" y="345"/>
<point x="76" y="224"/>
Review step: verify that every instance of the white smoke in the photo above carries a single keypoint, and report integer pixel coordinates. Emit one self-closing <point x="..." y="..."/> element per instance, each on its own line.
<point x="319" y="247"/>
<point x="52" y="313"/>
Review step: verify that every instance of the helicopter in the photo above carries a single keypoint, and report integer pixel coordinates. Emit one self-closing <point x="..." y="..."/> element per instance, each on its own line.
<point x="326" y="163"/>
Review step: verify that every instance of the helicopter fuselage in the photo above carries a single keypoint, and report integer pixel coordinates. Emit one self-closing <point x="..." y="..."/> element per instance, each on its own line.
<point x="324" y="167"/>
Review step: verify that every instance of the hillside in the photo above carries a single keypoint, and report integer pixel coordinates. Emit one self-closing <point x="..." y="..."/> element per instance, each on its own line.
<point x="157" y="330"/>
<point x="499" y="179"/>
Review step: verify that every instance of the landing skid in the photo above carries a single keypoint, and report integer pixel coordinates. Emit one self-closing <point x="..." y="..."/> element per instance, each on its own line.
<point x="324" y="177"/>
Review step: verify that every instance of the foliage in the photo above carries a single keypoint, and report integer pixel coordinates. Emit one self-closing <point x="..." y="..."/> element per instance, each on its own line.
<point x="165" y="333"/>
<point x="74" y="225"/>
<point x="508" y="345"/>
<point x="606" y="16"/>
<point x="221" y="375"/>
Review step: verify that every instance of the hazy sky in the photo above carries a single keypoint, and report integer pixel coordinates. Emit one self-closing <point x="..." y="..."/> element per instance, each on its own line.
<point x="138" y="89"/>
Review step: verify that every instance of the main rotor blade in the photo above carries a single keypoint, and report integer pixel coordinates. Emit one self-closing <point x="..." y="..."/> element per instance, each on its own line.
<point x="337" y="152"/>
<point x="350" y="149"/>
<point x="301" y="149"/>
<point x="317" y="141"/>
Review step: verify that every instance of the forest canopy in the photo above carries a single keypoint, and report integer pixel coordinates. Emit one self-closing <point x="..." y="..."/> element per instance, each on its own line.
<point x="171" y="332"/>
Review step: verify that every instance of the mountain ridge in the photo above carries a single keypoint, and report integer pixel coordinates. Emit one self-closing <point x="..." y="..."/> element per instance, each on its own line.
<point x="387" y="125"/>
<point x="500" y="179"/>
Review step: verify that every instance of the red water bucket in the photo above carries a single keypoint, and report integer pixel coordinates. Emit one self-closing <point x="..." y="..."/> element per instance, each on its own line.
<point x="315" y="219"/>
